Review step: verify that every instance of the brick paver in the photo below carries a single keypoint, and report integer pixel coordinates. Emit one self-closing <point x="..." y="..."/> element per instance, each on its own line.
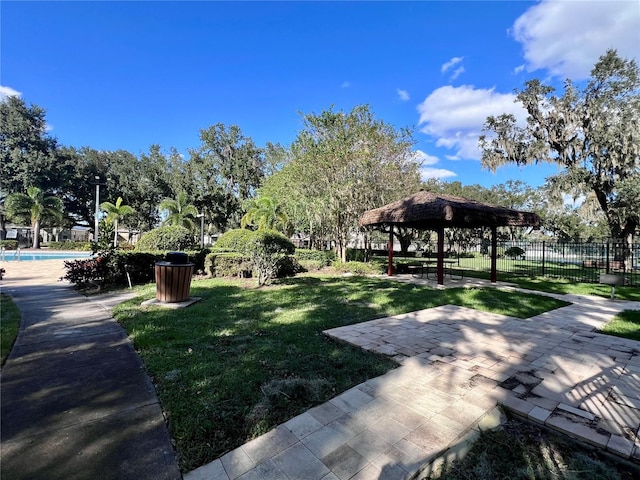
<point x="456" y="365"/>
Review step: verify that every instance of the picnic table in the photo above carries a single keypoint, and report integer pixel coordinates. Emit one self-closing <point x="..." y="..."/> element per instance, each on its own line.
<point x="431" y="266"/>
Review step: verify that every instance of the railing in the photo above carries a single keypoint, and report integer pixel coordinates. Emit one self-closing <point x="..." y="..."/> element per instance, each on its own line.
<point x="578" y="262"/>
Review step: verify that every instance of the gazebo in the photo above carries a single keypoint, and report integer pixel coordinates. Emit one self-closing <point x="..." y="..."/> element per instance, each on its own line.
<point x="428" y="211"/>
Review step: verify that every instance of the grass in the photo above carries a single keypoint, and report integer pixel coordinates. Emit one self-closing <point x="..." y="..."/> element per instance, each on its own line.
<point x="520" y="273"/>
<point x="626" y="324"/>
<point x="244" y="360"/>
<point x="9" y="325"/>
<point x="522" y="451"/>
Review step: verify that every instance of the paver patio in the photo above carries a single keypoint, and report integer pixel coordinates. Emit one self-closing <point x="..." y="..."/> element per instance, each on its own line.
<point x="456" y="365"/>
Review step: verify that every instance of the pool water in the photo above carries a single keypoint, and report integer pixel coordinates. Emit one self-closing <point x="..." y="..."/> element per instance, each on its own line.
<point x="12" y="256"/>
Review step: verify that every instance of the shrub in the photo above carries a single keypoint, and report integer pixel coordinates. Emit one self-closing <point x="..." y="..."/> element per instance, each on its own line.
<point x="228" y="264"/>
<point x="325" y="257"/>
<point x="167" y="238"/>
<point x="9" y="244"/>
<point x="355" y="255"/>
<point x="268" y="248"/>
<point x="236" y="240"/>
<point x="288" y="266"/>
<point x="111" y="269"/>
<point x="83" y="273"/>
<point x="312" y="265"/>
<point x="198" y="258"/>
<point x="514" y="252"/>
<point x="357" y="268"/>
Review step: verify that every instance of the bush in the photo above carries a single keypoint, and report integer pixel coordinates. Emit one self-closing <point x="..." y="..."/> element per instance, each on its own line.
<point x="288" y="267"/>
<point x="514" y="252"/>
<point x="312" y="265"/>
<point x="268" y="248"/>
<point x="355" y="255"/>
<point x="83" y="273"/>
<point x="9" y="244"/>
<point x="356" y="268"/>
<point x="324" y="257"/>
<point x="111" y="269"/>
<point x="81" y="246"/>
<point x="228" y="264"/>
<point x="237" y="240"/>
<point x="167" y="238"/>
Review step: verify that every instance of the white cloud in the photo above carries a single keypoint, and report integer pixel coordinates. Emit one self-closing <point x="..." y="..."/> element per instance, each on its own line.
<point x="567" y="38"/>
<point x="518" y="69"/>
<point x="427" y="172"/>
<point x="8" y="92"/>
<point x="456" y="73"/>
<point x="425" y="158"/>
<point x="403" y="95"/>
<point x="454" y="116"/>
<point x="446" y="66"/>
<point x="345" y="84"/>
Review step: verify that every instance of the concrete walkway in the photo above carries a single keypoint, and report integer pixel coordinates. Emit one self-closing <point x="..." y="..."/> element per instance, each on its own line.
<point x="76" y="402"/>
<point x="457" y="364"/>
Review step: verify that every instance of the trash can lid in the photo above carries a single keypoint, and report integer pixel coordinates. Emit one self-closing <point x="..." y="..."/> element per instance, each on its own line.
<point x="177" y="257"/>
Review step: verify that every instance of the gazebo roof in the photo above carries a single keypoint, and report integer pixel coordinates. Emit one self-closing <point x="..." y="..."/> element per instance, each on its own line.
<point x="427" y="210"/>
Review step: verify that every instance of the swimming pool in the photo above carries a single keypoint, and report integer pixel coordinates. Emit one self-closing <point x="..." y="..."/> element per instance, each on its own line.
<point x="30" y="256"/>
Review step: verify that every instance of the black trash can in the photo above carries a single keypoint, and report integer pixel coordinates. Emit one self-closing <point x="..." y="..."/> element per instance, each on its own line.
<point x="173" y="278"/>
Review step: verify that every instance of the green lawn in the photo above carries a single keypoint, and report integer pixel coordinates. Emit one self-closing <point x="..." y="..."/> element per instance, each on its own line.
<point x="9" y="325"/>
<point x="243" y="360"/>
<point x="626" y="324"/>
<point x="528" y="274"/>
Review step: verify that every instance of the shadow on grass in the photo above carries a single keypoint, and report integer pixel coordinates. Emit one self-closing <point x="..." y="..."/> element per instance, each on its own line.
<point x="244" y="360"/>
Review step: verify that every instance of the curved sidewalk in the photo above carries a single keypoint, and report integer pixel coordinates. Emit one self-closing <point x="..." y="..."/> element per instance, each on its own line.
<point x="76" y="402"/>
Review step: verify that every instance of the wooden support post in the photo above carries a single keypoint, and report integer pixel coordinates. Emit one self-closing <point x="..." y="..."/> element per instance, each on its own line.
<point x="390" y="266"/>
<point x="440" y="263"/>
<point x="494" y="254"/>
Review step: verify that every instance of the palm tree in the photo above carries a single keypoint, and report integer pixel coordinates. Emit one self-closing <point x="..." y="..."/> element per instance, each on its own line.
<point x="180" y="211"/>
<point x="35" y="206"/>
<point x="264" y="212"/>
<point x="115" y="213"/>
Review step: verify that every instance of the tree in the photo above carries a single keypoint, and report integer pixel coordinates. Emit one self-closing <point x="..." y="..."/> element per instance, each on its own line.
<point x="144" y="181"/>
<point x="35" y="206"/>
<point x="343" y="164"/>
<point x="230" y="168"/>
<point x="264" y="213"/>
<point x="593" y="133"/>
<point x="115" y="213"/>
<point x="28" y="155"/>
<point x="180" y="211"/>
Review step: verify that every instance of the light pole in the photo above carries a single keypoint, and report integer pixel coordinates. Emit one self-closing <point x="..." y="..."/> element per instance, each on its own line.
<point x="201" y="215"/>
<point x="97" y="227"/>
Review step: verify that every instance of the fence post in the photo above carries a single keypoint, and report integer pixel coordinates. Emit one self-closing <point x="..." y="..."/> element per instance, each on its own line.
<point x="544" y="244"/>
<point x="607" y="264"/>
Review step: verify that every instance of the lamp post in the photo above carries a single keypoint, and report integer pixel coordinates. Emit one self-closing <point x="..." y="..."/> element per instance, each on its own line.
<point x="201" y="216"/>
<point x="97" y="226"/>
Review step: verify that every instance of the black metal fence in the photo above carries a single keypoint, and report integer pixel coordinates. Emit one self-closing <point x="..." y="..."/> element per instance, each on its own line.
<point x="578" y="262"/>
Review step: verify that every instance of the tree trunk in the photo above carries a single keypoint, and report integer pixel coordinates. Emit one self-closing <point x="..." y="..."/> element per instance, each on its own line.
<point x="115" y="233"/>
<point x="36" y="234"/>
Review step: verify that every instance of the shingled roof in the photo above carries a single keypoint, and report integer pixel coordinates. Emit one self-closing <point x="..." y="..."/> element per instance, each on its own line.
<point x="427" y="210"/>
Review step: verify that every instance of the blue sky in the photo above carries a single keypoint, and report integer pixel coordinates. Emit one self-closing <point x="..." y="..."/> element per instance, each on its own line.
<point x="125" y="75"/>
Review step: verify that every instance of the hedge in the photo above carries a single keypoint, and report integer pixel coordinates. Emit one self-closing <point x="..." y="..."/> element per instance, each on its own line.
<point x="228" y="264"/>
<point x="9" y="244"/>
<point x="167" y="238"/>
<point x="324" y="257"/>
